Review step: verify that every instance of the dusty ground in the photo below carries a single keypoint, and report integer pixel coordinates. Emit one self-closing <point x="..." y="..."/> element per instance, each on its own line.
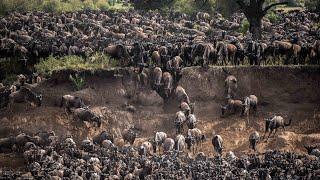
<point x="288" y="91"/>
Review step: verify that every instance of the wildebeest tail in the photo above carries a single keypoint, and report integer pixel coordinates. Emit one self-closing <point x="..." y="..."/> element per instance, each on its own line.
<point x="288" y="124"/>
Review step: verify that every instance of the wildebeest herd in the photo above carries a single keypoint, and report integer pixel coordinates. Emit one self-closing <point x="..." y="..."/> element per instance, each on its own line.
<point x="164" y="40"/>
<point x="49" y="158"/>
<point x="160" y="45"/>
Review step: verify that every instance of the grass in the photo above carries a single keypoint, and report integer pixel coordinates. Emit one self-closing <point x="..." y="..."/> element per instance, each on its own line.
<point x="57" y="5"/>
<point x="77" y="81"/>
<point x="97" y="61"/>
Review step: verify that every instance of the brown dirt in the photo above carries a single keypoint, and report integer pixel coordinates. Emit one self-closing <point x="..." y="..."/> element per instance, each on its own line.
<point x="288" y="91"/>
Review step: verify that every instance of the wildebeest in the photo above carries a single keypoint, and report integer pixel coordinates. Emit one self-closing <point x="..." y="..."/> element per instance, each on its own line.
<point x="158" y="141"/>
<point x="157" y="77"/>
<point x="186" y="108"/>
<point x="313" y="150"/>
<point x="119" y="51"/>
<point x="85" y="114"/>
<point x="194" y="139"/>
<point x="180" y="143"/>
<point x="25" y="95"/>
<point x="250" y="102"/>
<point x="167" y="84"/>
<point x="191" y="121"/>
<point x="179" y="121"/>
<point x="231" y="85"/>
<point x="253" y="140"/>
<point x="181" y="95"/>
<point x="232" y="107"/>
<point x="217" y="143"/>
<point x="69" y="101"/>
<point x="129" y="135"/>
<point x="273" y="123"/>
<point x="104" y="135"/>
<point x="168" y="145"/>
<point x="145" y="149"/>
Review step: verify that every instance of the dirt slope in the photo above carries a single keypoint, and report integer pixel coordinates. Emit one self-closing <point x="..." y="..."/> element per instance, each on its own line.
<point x="287" y="91"/>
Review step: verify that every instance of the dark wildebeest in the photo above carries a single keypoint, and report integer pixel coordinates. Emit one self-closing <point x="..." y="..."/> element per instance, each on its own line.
<point x="104" y="135"/>
<point x="273" y="123"/>
<point x="24" y="95"/>
<point x="119" y="51"/>
<point x="179" y="121"/>
<point x="69" y="101"/>
<point x="129" y="135"/>
<point x="217" y="143"/>
<point x="313" y="150"/>
<point x="222" y="52"/>
<point x="158" y="141"/>
<point x="85" y="114"/>
<point x="253" y="140"/>
<point x="282" y="48"/>
<point x="168" y="145"/>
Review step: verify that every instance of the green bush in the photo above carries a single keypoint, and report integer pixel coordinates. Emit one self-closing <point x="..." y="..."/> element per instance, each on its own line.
<point x="273" y="17"/>
<point x="97" y="61"/>
<point x="77" y="81"/>
<point x="244" y="26"/>
<point x="190" y="6"/>
<point x="56" y="5"/>
<point x="9" y="79"/>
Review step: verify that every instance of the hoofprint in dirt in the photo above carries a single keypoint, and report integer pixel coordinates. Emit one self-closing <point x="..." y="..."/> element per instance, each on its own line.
<point x="287" y="91"/>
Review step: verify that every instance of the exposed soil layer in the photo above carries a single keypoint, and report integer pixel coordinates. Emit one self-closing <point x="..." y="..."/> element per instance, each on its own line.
<point x="287" y="91"/>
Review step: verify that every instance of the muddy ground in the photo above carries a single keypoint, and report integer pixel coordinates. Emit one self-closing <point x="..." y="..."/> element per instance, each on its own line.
<point x="287" y="91"/>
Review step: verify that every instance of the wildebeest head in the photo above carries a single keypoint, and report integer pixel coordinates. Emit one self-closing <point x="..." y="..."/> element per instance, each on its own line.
<point x="142" y="151"/>
<point x="98" y="120"/>
<point x="38" y="100"/>
<point x="224" y="109"/>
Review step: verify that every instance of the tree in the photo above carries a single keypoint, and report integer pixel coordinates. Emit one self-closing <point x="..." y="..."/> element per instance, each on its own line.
<point x="255" y="10"/>
<point x="226" y="7"/>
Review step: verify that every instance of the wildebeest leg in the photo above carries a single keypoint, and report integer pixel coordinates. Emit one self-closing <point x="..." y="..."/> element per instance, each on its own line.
<point x="269" y="134"/>
<point x="274" y="135"/>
